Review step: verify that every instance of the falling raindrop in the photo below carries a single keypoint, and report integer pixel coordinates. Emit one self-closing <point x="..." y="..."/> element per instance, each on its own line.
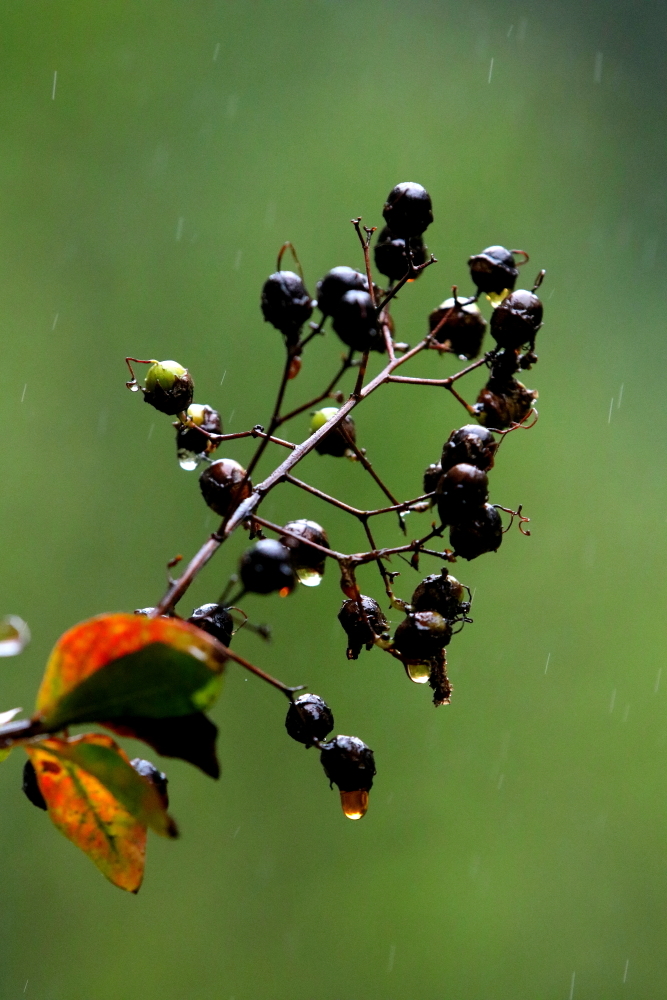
<point x="187" y="460"/>
<point x="419" y="672"/>
<point x="309" y="577"/>
<point x="355" y="803"/>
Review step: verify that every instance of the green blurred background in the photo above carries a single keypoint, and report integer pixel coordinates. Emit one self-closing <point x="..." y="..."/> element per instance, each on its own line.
<point x="517" y="838"/>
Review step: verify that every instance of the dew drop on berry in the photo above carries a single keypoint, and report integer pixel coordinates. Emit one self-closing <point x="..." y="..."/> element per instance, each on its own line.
<point x="309" y="577"/>
<point x="355" y="803"/>
<point x="419" y="672"/>
<point x="187" y="460"/>
<point x="133" y="387"/>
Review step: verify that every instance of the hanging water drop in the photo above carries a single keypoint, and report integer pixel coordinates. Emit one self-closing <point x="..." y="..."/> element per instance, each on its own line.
<point x="309" y="577"/>
<point x="355" y="803"/>
<point x="419" y="672"/>
<point x="188" y="460"/>
<point x="133" y="387"/>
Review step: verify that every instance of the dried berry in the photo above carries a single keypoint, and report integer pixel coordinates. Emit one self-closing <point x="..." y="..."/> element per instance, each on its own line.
<point x="214" y="619"/>
<point x="266" y="568"/>
<point x="432" y="476"/>
<point x="223" y="487"/>
<point x="334" y="285"/>
<point x="169" y="387"/>
<point x="477" y="535"/>
<point x="350" y="764"/>
<point x="493" y="270"/>
<point x="516" y="320"/>
<point x="308" y="562"/>
<point x="355" y="322"/>
<point x="335" y="443"/>
<point x="309" y="719"/>
<point x="442" y="593"/>
<point x="461" y="490"/>
<point x="190" y="442"/>
<point x="422" y="635"/>
<point x="408" y="210"/>
<point x="463" y="327"/>
<point x="285" y="303"/>
<point x="390" y="256"/>
<point x="470" y="444"/>
<point x="30" y="786"/>
<point x="157" y="778"/>
<point x="362" y="629"/>
<point x="503" y="402"/>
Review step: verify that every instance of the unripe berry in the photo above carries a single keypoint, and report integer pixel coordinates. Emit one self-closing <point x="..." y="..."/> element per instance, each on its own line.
<point x="442" y="593"/>
<point x="390" y="256"/>
<point x="191" y="443"/>
<point x="350" y="764"/>
<point x="360" y="630"/>
<point x="169" y="387"/>
<point x="335" y="443"/>
<point x="308" y="562"/>
<point x="493" y="270"/>
<point x="265" y="568"/>
<point x="517" y="320"/>
<point x="220" y="483"/>
<point x="464" y="327"/>
<point x="334" y="285"/>
<point x="355" y="322"/>
<point x="214" y="619"/>
<point x="30" y="786"/>
<point x="470" y="444"/>
<point x="503" y="403"/>
<point x="479" y="534"/>
<point x="422" y="636"/>
<point x="460" y="492"/>
<point x="408" y="210"/>
<point x="285" y="302"/>
<point x="157" y="778"/>
<point x="309" y="719"/>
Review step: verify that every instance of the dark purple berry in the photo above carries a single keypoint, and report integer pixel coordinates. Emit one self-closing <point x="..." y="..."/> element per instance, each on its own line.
<point x="309" y="719"/>
<point x="471" y="444"/>
<point x="479" y="534"/>
<point x="493" y="270"/>
<point x="348" y="763"/>
<point x="432" y="476"/>
<point x="265" y="568"/>
<point x="285" y="303"/>
<point x="422" y="636"/>
<point x="308" y="562"/>
<point x="214" y="619"/>
<point x="442" y="593"/>
<point x="462" y="325"/>
<point x="361" y="629"/>
<point x="390" y="256"/>
<point x="503" y="402"/>
<point x="516" y="320"/>
<point x="355" y="322"/>
<point x="408" y="210"/>
<point x="334" y="285"/>
<point x="461" y="491"/>
<point x="223" y="487"/>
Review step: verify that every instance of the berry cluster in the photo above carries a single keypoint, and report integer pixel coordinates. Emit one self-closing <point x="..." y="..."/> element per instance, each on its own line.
<point x="456" y="486"/>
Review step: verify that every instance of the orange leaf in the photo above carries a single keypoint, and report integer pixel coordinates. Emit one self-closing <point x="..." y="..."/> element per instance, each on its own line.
<point x="87" y="813"/>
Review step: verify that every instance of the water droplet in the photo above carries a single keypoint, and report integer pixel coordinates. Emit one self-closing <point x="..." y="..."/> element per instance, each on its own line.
<point x="134" y="388"/>
<point x="309" y="577"/>
<point x="188" y="460"/>
<point x="14" y="635"/>
<point x="419" y="672"/>
<point x="354" y="804"/>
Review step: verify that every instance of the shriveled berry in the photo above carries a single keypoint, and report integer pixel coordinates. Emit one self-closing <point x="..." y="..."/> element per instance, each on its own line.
<point x="479" y="534"/>
<point x="471" y="444"/>
<point x="390" y="256"/>
<point x="432" y="476"/>
<point x="502" y="403"/>
<point x="422" y="635"/>
<point x="156" y="777"/>
<point x="169" y="387"/>
<point x="348" y="763"/>
<point x="220" y="483"/>
<point x="442" y="593"/>
<point x="190" y="442"/>
<point x="517" y="320"/>
<point x="355" y="322"/>
<point x="308" y="562"/>
<point x="335" y="443"/>
<point x="334" y="285"/>
<point x="463" y="327"/>
<point x="360" y="630"/>
<point x="285" y="303"/>
<point x="408" y="210"/>
<point x="461" y="490"/>
<point x="265" y="568"/>
<point x="214" y="619"/>
<point x="493" y="270"/>
<point x="309" y="719"/>
<point x="30" y="786"/>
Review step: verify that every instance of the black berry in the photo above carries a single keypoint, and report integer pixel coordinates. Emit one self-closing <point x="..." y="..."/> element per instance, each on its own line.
<point x="463" y="327"/>
<point x="265" y="568"/>
<point x="493" y="270"/>
<point x="169" y="387"/>
<point x="461" y="490"/>
<point x="285" y="303"/>
<point x="361" y="629"/>
<point x="422" y="635"/>
<point x="348" y="763"/>
<point x="334" y="285"/>
<point x="503" y="402"/>
<point x="479" y="534"/>
<point x="390" y="256"/>
<point x="517" y="320"/>
<point x="432" y="476"/>
<point x="30" y="786"/>
<point x="308" y="562"/>
<point x="408" y="210"/>
<point x="442" y="593"/>
<point x="309" y="719"/>
<point x="215" y="620"/>
<point x="157" y="778"/>
<point x="355" y="322"/>
<point x="473" y="445"/>
<point x="221" y="485"/>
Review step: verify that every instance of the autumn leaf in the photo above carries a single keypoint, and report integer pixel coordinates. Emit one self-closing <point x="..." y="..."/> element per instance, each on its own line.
<point x="121" y="666"/>
<point x="99" y="802"/>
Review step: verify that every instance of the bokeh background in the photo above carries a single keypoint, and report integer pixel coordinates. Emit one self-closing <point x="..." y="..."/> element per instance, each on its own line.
<point x="516" y="844"/>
